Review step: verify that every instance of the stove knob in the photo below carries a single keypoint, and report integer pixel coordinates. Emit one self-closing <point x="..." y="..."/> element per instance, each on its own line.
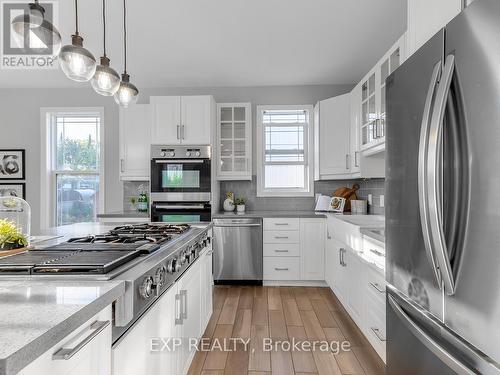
<point x="160" y="276"/>
<point x="177" y="266"/>
<point x="197" y="153"/>
<point x="163" y="154"/>
<point x="171" y="266"/>
<point x="146" y="288"/>
<point x="172" y="154"/>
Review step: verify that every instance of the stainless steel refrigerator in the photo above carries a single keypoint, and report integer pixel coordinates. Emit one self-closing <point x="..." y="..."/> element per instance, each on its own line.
<point x="443" y="201"/>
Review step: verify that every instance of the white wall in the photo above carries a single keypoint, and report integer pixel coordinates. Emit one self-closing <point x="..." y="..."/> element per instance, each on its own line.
<point x="20" y="123"/>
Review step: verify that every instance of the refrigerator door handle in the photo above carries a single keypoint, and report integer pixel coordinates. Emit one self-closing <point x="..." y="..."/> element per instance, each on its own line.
<point x="434" y="181"/>
<point x="429" y="343"/>
<point x="422" y="168"/>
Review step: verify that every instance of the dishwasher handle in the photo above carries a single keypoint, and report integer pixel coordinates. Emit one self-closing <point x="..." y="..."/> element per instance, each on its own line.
<point x="236" y="225"/>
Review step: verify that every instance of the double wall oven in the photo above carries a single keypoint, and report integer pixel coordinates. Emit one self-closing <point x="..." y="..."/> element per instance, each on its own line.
<point x="180" y="183"/>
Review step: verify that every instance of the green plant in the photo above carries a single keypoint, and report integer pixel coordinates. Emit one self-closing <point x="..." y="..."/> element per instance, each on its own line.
<point x="10" y="236"/>
<point x="229" y="195"/>
<point x="239" y="201"/>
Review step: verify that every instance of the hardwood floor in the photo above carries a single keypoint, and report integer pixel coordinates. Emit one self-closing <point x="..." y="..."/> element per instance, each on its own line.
<point x="283" y="313"/>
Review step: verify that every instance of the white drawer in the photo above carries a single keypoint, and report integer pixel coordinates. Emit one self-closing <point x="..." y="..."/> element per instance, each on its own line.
<point x="375" y="325"/>
<point x="281" y="268"/>
<point x="281" y="250"/>
<point x="284" y="236"/>
<point x="376" y="286"/>
<point x="285" y="223"/>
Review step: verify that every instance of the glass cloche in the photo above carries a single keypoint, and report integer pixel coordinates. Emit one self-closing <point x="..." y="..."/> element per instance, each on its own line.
<point x="15" y="223"/>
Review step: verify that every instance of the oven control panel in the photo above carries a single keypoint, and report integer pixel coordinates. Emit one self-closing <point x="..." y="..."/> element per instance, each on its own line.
<point x="180" y="152"/>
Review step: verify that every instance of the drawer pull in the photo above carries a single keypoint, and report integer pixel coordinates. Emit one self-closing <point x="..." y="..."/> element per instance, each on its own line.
<point x="280" y="269"/>
<point x="281" y="251"/>
<point x="377" y="333"/>
<point x="376" y="252"/>
<point x="281" y="224"/>
<point x="66" y="353"/>
<point x="281" y="237"/>
<point x="377" y="287"/>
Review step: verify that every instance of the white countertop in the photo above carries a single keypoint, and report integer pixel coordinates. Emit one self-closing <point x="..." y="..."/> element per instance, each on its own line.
<point x="35" y="315"/>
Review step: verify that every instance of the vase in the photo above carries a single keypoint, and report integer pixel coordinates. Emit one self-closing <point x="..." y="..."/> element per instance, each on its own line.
<point x="228" y="205"/>
<point x="240" y="208"/>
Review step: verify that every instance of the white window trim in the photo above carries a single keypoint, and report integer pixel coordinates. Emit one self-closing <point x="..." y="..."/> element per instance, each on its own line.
<point x="47" y="180"/>
<point x="308" y="149"/>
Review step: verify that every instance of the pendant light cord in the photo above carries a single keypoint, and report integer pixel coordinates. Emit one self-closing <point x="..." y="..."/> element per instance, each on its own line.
<point x="125" y="36"/>
<point x="76" y="17"/>
<point x="104" y="25"/>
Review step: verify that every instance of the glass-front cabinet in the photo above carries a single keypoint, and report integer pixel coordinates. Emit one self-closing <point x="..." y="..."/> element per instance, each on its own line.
<point x="234" y="141"/>
<point x="373" y="106"/>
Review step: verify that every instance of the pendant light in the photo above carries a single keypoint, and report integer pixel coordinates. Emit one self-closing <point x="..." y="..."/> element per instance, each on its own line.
<point x="106" y="80"/>
<point x="127" y="94"/>
<point x="46" y="35"/>
<point x="77" y="62"/>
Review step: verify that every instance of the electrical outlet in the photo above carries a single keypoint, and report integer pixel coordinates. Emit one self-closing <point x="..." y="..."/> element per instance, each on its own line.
<point x="382" y="201"/>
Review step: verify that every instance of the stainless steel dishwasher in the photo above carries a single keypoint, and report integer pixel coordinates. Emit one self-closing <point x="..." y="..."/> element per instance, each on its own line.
<point x="238" y="250"/>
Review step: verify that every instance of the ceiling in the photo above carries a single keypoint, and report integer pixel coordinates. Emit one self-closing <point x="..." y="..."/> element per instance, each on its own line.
<point x="190" y="43"/>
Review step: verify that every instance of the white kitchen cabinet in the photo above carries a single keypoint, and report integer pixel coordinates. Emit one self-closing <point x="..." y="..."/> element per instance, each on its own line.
<point x="337" y="252"/>
<point x="189" y="295"/>
<point x="355" y="282"/>
<point x="312" y="248"/>
<point x="183" y="119"/>
<point x="132" y="354"/>
<point x="234" y="141"/>
<point x="135" y="125"/>
<point x="372" y="104"/>
<point x="331" y="138"/>
<point x="91" y="358"/>
<point x="206" y="287"/>
<point x="426" y="18"/>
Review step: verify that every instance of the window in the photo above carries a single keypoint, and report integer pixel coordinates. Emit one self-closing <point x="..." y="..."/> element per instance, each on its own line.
<point x="284" y="139"/>
<point x="73" y="166"/>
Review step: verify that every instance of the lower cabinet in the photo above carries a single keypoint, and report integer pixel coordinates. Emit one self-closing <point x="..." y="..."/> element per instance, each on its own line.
<point x="181" y="313"/>
<point x="294" y="249"/>
<point x="70" y="357"/>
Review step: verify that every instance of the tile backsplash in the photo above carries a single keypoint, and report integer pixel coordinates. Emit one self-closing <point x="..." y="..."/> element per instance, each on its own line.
<point x="248" y="190"/>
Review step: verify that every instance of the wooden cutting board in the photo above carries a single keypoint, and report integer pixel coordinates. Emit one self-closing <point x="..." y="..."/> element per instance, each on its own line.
<point x="4" y="253"/>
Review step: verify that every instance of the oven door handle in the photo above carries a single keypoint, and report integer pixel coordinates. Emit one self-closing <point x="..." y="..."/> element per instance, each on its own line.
<point x="178" y="207"/>
<point x="177" y="161"/>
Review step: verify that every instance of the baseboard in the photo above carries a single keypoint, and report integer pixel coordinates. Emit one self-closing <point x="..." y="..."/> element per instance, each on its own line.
<point x="317" y="283"/>
<point x="238" y="282"/>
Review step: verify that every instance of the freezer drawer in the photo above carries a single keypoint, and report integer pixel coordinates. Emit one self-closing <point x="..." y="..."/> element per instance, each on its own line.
<point x="237" y="249"/>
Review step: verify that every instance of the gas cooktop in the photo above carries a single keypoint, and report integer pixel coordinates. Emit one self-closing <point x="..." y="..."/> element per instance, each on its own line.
<point x="93" y="254"/>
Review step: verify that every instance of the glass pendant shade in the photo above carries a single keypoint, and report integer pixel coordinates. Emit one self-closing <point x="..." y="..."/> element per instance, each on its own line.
<point x="127" y="94"/>
<point x="46" y="36"/>
<point x="77" y="62"/>
<point x="106" y="81"/>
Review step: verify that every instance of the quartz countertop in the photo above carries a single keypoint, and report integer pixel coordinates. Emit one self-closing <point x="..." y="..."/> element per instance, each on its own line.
<point x="305" y="214"/>
<point x="124" y="214"/>
<point x="36" y="315"/>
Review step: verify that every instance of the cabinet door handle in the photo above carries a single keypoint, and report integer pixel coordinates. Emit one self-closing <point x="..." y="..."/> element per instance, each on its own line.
<point x="122" y="169"/>
<point x="281" y="237"/>
<point x="280" y="269"/>
<point x="356" y="158"/>
<point x="65" y="354"/>
<point x="347" y="162"/>
<point x="377" y="333"/>
<point x="281" y="251"/>
<point x="182" y="131"/>
<point x="178" y="132"/>
<point x="340" y="256"/>
<point x="184" y="309"/>
<point x="178" y="310"/>
<point x="377" y="287"/>
<point x="376" y="252"/>
<point x="281" y="224"/>
<point x="328" y="236"/>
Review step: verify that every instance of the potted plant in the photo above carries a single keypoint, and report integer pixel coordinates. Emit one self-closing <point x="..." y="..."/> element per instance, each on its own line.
<point x="240" y="204"/>
<point x="229" y="202"/>
<point x="10" y="236"/>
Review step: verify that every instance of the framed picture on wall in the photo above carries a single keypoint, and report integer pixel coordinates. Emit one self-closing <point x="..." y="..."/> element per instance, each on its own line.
<point x="14" y="189"/>
<point x="12" y="164"/>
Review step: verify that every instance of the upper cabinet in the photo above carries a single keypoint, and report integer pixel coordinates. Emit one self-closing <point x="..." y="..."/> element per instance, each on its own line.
<point x="135" y="140"/>
<point x="182" y="119"/>
<point x="372" y="104"/>
<point x="331" y="138"/>
<point x="234" y="141"/>
<point x="427" y="17"/>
